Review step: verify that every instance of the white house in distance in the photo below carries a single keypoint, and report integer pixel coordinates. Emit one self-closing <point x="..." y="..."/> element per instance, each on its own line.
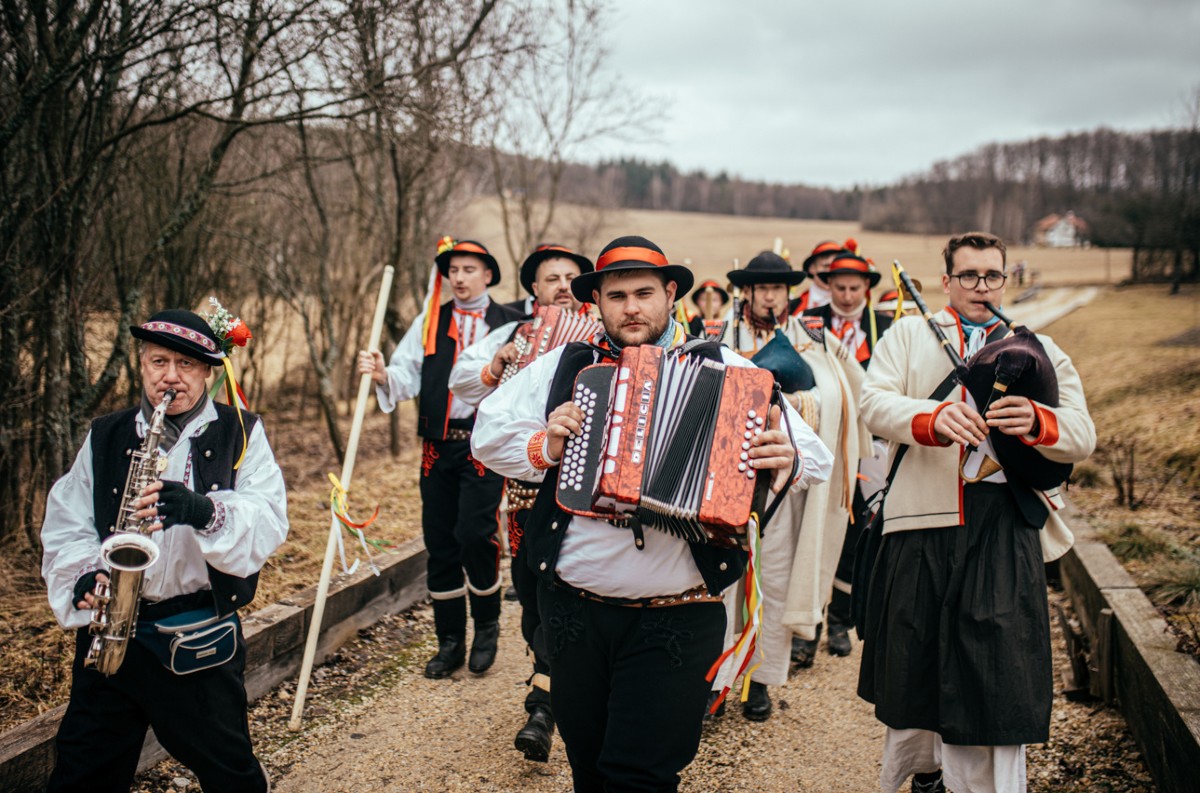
<point x="1061" y="231"/>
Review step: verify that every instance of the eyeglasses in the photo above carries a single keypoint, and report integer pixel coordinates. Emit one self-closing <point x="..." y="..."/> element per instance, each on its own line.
<point x="993" y="279"/>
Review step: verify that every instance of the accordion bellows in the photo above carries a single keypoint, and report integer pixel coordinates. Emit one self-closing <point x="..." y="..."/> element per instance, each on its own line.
<point x="550" y="327"/>
<point x="666" y="442"/>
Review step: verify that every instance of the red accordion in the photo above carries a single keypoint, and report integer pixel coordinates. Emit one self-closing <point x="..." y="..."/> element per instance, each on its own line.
<point x="550" y="327"/>
<point x="666" y="441"/>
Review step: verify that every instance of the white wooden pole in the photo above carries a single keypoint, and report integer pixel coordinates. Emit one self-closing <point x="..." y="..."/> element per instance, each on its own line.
<point x="360" y="410"/>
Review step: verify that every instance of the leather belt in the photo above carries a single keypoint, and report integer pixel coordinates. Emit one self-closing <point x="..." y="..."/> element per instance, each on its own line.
<point x="454" y="434"/>
<point x="520" y="495"/>
<point x="698" y="594"/>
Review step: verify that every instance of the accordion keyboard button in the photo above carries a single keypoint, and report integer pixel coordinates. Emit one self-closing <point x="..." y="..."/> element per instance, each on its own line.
<point x="751" y="414"/>
<point x="745" y="444"/>
<point x="741" y="466"/>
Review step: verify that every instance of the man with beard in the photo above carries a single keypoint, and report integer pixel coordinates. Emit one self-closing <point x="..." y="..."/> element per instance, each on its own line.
<point x="459" y="496"/>
<point x="546" y="274"/>
<point x="632" y="620"/>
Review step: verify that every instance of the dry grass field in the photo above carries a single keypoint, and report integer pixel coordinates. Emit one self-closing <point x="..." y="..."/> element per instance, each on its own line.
<point x="710" y="243"/>
<point x="1123" y="376"/>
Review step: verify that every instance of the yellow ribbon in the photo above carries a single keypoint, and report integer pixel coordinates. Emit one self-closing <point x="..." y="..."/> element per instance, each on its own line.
<point x="231" y="393"/>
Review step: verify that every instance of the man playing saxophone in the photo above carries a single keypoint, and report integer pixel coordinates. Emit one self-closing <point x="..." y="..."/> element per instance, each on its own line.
<point x="214" y="511"/>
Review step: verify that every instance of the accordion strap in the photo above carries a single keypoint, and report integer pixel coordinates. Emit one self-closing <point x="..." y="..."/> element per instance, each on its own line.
<point x="777" y="399"/>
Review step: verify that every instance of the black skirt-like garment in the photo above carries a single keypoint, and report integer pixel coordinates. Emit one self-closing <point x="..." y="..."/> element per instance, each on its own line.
<point x="958" y="628"/>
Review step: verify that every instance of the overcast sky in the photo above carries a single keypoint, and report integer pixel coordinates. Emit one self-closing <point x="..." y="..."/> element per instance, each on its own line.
<point x="838" y="93"/>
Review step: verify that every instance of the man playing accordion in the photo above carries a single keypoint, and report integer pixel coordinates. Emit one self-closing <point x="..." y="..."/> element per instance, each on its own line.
<point x="632" y="620"/>
<point x="956" y="651"/>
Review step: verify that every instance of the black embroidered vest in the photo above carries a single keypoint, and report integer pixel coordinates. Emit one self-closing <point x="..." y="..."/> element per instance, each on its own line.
<point x="547" y="522"/>
<point x="433" y="402"/>
<point x="214" y="451"/>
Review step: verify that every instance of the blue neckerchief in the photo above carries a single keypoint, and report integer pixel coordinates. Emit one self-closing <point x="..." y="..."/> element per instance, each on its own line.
<point x="969" y="325"/>
<point x="663" y="341"/>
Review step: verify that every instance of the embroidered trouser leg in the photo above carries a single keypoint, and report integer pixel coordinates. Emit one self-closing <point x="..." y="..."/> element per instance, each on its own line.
<point x="459" y="503"/>
<point x="199" y="718"/>
<point x="629" y="689"/>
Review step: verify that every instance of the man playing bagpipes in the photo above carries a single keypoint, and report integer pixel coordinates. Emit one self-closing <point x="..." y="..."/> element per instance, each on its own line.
<point x="632" y="615"/>
<point x="858" y="326"/>
<point x="956" y="644"/>
<point x="460" y="498"/>
<point x="189" y="503"/>
<point x="546" y="274"/>
<point x="800" y="550"/>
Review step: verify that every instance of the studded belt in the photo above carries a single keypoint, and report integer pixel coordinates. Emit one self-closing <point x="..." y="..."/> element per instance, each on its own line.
<point x="454" y="434"/>
<point x="520" y="495"/>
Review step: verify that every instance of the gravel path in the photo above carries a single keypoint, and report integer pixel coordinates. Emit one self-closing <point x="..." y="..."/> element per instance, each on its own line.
<point x="373" y="723"/>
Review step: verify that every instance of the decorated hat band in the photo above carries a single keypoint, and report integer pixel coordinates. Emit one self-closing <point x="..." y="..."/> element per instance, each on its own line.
<point x="187" y="333"/>
<point x="631" y="254"/>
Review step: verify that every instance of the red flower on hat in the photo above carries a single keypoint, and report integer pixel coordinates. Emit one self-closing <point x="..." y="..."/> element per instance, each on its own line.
<point x="239" y="334"/>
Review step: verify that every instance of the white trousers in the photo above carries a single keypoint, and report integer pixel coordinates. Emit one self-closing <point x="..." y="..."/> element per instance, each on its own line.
<point x="775" y="570"/>
<point x="965" y="769"/>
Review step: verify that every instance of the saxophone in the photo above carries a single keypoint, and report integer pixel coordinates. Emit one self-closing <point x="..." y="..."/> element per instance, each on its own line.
<point x="127" y="553"/>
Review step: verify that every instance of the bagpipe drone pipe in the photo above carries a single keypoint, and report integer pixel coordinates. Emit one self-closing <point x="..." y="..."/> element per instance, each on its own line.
<point x="550" y="327"/>
<point x="665" y="444"/>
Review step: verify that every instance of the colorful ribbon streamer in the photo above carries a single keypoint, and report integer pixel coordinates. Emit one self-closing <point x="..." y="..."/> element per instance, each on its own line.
<point x="746" y="647"/>
<point x="338" y="507"/>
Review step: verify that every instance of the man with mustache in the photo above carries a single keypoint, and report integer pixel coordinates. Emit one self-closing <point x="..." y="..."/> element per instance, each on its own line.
<point x="546" y="274"/>
<point x="632" y="620"/>
<point x="219" y="511"/>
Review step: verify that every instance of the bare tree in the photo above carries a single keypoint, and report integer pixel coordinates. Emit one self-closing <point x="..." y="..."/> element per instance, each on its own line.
<point x="561" y="101"/>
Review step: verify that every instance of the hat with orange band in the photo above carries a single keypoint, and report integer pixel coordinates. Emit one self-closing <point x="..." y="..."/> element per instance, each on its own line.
<point x="631" y="253"/>
<point x="849" y="264"/>
<point x="467" y="248"/>
<point x="550" y="251"/>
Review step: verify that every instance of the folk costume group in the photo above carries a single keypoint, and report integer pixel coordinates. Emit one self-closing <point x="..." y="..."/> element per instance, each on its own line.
<point x="623" y="622"/>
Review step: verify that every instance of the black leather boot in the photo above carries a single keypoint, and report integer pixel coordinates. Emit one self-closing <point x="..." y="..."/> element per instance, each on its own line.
<point x="805" y="651"/>
<point x="452" y="651"/>
<point x="483" y="646"/>
<point x="757" y="706"/>
<point x="534" y="738"/>
<point x="928" y="783"/>
<point x="839" y="640"/>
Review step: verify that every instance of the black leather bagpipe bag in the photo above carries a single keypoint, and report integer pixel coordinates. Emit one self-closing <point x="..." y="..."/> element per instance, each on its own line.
<point x="1021" y="362"/>
<point x="780" y="358"/>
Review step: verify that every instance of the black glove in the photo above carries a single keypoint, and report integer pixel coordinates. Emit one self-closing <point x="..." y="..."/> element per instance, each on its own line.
<point x="84" y="586"/>
<point x="179" y="504"/>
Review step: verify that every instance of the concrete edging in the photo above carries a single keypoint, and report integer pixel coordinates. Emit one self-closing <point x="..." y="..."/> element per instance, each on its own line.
<point x="1156" y="687"/>
<point x="275" y="638"/>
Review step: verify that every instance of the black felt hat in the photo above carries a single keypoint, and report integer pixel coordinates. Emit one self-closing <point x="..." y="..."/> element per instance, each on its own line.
<point x="631" y="253"/>
<point x="550" y="251"/>
<point x="849" y="264"/>
<point x="467" y="248"/>
<point x="184" y="332"/>
<point x="766" y="268"/>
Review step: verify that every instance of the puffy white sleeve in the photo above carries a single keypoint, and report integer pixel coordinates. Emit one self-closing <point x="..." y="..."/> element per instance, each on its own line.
<point x="250" y="521"/>
<point x="465" y="380"/>
<point x="815" y="459"/>
<point x="70" y="544"/>
<point x="511" y="416"/>
<point x="404" y="370"/>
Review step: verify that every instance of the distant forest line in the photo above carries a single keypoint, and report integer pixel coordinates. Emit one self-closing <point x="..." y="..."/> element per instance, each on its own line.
<point x="1138" y="190"/>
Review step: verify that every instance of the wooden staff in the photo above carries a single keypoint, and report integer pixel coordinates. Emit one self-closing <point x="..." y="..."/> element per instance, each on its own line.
<point x="360" y="410"/>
